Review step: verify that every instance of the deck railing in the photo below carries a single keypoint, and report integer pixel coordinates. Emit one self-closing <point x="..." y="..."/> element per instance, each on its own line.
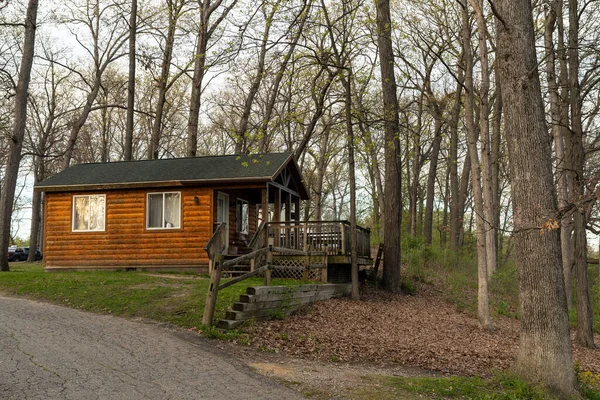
<point x="332" y="237"/>
<point x="218" y="241"/>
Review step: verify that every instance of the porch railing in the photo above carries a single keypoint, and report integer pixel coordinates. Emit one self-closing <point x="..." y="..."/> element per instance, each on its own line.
<point x="218" y="241"/>
<point x="332" y="237"/>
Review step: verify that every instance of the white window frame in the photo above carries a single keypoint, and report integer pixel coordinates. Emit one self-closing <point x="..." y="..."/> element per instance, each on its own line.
<point x="163" y="211"/>
<point x="239" y="216"/>
<point x="88" y="196"/>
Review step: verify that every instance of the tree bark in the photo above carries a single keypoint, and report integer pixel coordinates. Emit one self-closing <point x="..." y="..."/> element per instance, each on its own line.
<point x="128" y="151"/>
<point x="456" y="206"/>
<point x="557" y="124"/>
<point x="585" y="329"/>
<point x="566" y="223"/>
<point x="393" y="193"/>
<point x="483" y="307"/>
<point x="544" y="355"/>
<point x="437" y="112"/>
<point x="484" y="131"/>
<point x="18" y="132"/>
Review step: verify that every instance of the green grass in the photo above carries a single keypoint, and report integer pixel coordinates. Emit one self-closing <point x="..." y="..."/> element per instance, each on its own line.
<point x="499" y="387"/>
<point x="128" y="294"/>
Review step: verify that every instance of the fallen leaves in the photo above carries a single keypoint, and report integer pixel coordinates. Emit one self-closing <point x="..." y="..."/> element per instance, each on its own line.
<point x="390" y="329"/>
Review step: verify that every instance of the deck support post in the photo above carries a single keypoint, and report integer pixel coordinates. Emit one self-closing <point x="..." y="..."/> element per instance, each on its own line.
<point x="213" y="290"/>
<point x="325" y="262"/>
<point x="305" y="273"/>
<point x="267" y="281"/>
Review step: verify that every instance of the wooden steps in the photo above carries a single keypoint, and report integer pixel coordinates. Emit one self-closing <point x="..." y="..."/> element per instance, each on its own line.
<point x="267" y="302"/>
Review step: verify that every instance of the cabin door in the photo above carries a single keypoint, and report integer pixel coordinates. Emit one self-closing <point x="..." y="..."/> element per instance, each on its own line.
<point x="223" y="213"/>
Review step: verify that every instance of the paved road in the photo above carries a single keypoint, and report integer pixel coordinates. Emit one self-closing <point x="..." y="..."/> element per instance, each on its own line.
<point x="52" y="352"/>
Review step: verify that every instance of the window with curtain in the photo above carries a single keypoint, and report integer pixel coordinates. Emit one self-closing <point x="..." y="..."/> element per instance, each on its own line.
<point x="243" y="216"/>
<point x="163" y="210"/>
<point x="89" y="212"/>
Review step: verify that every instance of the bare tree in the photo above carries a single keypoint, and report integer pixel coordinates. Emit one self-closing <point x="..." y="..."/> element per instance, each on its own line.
<point x="18" y="132"/>
<point x="128" y="151"/>
<point x="104" y="48"/>
<point x="206" y="30"/>
<point x="393" y="185"/>
<point x="483" y="311"/>
<point x="545" y="354"/>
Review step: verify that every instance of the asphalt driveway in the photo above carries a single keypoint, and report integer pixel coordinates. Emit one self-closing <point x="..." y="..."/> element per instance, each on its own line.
<point x="53" y="352"/>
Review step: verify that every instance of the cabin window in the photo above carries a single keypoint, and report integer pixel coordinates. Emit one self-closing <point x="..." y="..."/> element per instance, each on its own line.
<point x="89" y="212"/>
<point x="243" y="216"/>
<point x="164" y="210"/>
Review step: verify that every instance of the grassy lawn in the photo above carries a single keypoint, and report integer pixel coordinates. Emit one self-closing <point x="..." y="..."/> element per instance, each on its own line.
<point x="499" y="387"/>
<point x="176" y="298"/>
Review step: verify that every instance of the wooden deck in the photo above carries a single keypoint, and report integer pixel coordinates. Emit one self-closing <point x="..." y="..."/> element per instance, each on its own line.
<point x="316" y="237"/>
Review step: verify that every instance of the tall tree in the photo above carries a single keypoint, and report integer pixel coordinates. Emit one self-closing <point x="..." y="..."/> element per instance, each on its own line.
<point x="18" y="132"/>
<point x="106" y="37"/>
<point x="544" y="354"/>
<point x="483" y="309"/>
<point x="128" y="151"/>
<point x="585" y="329"/>
<point x="205" y="32"/>
<point x="393" y="170"/>
<point x="175" y="10"/>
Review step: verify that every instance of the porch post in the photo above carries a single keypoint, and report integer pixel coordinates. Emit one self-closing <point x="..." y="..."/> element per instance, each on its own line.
<point x="277" y="216"/>
<point x="297" y="208"/>
<point x="288" y="218"/>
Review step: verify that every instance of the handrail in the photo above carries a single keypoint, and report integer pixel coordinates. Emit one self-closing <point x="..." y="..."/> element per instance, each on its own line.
<point x="244" y="257"/>
<point x="330" y="236"/>
<point x="214" y="241"/>
<point x="257" y="235"/>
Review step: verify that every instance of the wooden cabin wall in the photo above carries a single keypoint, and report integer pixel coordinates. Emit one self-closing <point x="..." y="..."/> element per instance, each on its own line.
<point x="126" y="242"/>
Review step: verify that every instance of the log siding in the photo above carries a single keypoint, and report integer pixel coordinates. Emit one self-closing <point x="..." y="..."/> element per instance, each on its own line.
<point x="126" y="242"/>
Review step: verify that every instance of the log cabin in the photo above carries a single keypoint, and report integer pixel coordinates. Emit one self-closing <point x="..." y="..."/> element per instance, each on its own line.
<point x="173" y="213"/>
<point x="162" y="213"/>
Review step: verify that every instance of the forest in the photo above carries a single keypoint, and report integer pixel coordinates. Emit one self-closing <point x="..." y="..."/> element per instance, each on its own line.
<point x="461" y="122"/>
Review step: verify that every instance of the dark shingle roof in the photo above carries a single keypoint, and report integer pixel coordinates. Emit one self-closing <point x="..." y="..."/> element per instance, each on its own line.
<point x="230" y="168"/>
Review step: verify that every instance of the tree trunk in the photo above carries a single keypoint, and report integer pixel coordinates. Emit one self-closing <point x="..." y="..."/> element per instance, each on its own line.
<point x="128" y="151"/>
<point x="484" y="128"/>
<point x="392" y="200"/>
<point x="557" y="124"/>
<point x="274" y="92"/>
<point x="495" y="155"/>
<point x="585" y="329"/>
<point x="163" y="81"/>
<point x="483" y="309"/>
<point x="18" y="132"/>
<point x="563" y="183"/>
<point x="455" y="204"/>
<point x="413" y="209"/>
<point x="241" y="140"/>
<point x="352" y="177"/>
<point x="433" y="163"/>
<point x="544" y="355"/>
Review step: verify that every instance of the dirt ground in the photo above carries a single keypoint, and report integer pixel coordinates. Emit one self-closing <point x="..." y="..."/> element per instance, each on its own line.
<point x="334" y="346"/>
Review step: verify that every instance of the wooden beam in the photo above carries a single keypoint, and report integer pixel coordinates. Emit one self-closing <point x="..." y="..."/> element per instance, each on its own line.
<point x="213" y="290"/>
<point x="265" y="204"/>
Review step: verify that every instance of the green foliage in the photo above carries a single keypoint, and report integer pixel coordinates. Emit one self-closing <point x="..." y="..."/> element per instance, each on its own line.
<point x="499" y="387"/>
<point x="407" y="286"/>
<point x="233" y="335"/>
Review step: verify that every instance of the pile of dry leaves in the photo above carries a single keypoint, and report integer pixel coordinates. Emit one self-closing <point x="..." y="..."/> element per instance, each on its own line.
<point x="386" y="329"/>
